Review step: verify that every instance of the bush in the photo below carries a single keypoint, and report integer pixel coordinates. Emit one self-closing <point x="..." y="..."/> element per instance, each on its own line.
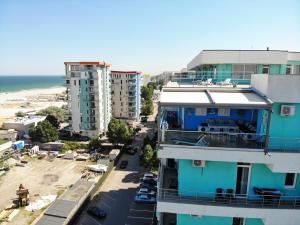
<point x="61" y="114"/>
<point x="72" y="145"/>
<point x="94" y="143"/>
<point x="20" y="114"/>
<point x="53" y="120"/>
<point x="147" y="155"/>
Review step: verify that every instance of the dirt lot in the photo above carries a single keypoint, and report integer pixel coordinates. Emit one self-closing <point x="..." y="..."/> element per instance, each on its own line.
<point x="41" y="177"/>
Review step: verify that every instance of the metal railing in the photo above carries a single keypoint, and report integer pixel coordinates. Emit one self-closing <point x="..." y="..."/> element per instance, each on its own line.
<point x="214" y="77"/>
<point x="232" y="200"/>
<point x="213" y="139"/>
<point x="230" y="140"/>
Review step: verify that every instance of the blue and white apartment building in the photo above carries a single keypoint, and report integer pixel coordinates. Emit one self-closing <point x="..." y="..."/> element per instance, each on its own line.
<point x="230" y="151"/>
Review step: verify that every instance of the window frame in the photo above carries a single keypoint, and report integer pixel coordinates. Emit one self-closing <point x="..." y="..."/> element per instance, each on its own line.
<point x="294" y="181"/>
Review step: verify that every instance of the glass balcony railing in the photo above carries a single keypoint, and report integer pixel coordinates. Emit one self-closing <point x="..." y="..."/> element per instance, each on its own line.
<point x="213" y="139"/>
<point x="270" y="200"/>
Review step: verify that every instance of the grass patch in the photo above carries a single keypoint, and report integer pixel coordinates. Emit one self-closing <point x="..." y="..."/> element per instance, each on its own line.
<point x="2" y="141"/>
<point x="72" y="145"/>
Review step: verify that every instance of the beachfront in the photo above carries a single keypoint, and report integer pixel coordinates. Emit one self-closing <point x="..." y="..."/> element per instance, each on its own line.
<point x="29" y="101"/>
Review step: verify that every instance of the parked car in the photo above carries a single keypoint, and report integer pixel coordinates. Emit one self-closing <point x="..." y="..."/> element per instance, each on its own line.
<point x="97" y="212"/>
<point x="123" y="164"/>
<point x="145" y="199"/>
<point x="149" y="180"/>
<point x="149" y="186"/>
<point x="149" y="176"/>
<point x="146" y="191"/>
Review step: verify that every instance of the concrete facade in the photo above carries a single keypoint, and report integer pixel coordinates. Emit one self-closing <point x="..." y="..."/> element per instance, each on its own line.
<point x="126" y="94"/>
<point x="89" y="96"/>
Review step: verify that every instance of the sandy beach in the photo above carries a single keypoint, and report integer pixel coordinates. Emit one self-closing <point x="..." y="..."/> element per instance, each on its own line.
<point x="29" y="101"/>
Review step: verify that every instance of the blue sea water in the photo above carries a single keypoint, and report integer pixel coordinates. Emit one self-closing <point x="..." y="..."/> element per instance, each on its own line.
<point x="18" y="83"/>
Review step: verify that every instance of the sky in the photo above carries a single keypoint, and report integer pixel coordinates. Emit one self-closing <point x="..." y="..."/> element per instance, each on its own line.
<point x="151" y="36"/>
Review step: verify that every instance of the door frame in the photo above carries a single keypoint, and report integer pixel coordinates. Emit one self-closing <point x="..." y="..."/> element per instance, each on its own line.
<point x="249" y="174"/>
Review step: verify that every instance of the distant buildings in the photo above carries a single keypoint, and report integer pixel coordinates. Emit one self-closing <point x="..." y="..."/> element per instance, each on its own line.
<point x="126" y="94"/>
<point x="89" y="96"/>
<point x="230" y="153"/>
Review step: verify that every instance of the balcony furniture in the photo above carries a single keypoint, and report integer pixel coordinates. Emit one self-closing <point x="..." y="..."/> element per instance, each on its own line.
<point x="207" y="82"/>
<point x="226" y="128"/>
<point x="200" y="141"/>
<point x="227" y="82"/>
<point x="229" y="195"/>
<point x="219" y="194"/>
<point x="268" y="193"/>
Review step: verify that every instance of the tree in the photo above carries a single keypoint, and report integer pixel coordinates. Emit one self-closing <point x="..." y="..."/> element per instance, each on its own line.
<point x="147" y="155"/>
<point x="146" y="92"/>
<point x="53" y="120"/>
<point x="147" y="108"/>
<point x="20" y="114"/>
<point x="43" y="132"/>
<point x="94" y="142"/>
<point x="61" y="114"/>
<point x="118" y="132"/>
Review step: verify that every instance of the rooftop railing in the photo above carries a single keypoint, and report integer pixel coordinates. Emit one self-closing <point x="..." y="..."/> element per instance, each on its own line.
<point x="213" y="77"/>
<point x="231" y="200"/>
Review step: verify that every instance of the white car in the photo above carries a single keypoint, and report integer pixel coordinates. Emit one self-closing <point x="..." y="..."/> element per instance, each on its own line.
<point x="149" y="176"/>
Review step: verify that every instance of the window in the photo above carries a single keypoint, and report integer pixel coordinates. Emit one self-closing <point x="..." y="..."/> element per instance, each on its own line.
<point x="201" y="111"/>
<point x="290" y="180"/>
<point x="67" y="81"/>
<point x="237" y="221"/>
<point x="75" y="82"/>
<point x="288" y="70"/>
<point x="224" y="112"/>
<point x="265" y="69"/>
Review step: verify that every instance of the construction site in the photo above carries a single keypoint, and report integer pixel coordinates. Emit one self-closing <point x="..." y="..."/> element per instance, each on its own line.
<point x="32" y="180"/>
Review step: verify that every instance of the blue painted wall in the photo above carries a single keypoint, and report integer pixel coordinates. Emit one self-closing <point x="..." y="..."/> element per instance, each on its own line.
<point x="206" y="179"/>
<point x="263" y="177"/>
<point x="192" y="121"/>
<point x="284" y="127"/>
<point x="204" y="220"/>
<point x="183" y="219"/>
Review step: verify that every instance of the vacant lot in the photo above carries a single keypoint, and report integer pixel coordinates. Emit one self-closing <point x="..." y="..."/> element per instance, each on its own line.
<point x="41" y="177"/>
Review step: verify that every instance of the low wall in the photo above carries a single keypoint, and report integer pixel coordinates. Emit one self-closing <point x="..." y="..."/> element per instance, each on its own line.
<point x="5" y="146"/>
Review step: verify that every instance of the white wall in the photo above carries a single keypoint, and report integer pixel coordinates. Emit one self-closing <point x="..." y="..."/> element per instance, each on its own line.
<point x="278" y="88"/>
<point x="270" y="216"/>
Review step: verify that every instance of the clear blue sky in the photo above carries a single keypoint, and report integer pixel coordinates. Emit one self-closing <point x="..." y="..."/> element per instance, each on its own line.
<point x="37" y="36"/>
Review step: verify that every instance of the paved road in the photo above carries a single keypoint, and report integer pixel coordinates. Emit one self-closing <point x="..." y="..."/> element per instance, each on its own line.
<point x="117" y="194"/>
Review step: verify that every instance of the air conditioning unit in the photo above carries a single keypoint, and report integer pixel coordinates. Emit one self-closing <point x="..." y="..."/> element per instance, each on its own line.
<point x="287" y="110"/>
<point x="199" y="163"/>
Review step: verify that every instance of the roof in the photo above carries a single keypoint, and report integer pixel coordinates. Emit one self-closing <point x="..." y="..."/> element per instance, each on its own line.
<point x="125" y="72"/>
<point x="100" y="63"/>
<point x="213" y="98"/>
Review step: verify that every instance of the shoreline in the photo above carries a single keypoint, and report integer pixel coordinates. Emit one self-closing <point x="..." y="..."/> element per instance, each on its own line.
<point x="32" y="89"/>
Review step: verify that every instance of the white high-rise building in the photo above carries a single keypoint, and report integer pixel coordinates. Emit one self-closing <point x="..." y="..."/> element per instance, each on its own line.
<point x="89" y="96"/>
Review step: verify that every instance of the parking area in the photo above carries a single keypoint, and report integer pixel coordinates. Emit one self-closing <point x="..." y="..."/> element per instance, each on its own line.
<point x="140" y="214"/>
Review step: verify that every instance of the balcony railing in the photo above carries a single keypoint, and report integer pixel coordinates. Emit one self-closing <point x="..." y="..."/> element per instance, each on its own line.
<point x="213" y="139"/>
<point x="231" y="200"/>
<point x="214" y="77"/>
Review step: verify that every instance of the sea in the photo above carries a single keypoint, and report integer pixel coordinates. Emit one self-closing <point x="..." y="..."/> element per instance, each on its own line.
<point x="27" y="82"/>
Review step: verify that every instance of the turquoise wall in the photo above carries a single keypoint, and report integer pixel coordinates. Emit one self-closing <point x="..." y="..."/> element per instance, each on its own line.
<point x="263" y="177"/>
<point x="206" y="179"/>
<point x="183" y="219"/>
<point x="284" y="127"/>
<point x="253" y="222"/>
<point x="223" y="71"/>
<point x="294" y="62"/>
<point x="84" y="104"/>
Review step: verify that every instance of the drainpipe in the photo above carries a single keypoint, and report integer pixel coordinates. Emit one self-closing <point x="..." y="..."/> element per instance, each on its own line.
<point x="268" y="131"/>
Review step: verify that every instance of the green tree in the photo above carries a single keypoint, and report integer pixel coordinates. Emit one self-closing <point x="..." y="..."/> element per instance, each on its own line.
<point x="20" y="114"/>
<point x="147" y="155"/>
<point x="53" y="120"/>
<point x="95" y="142"/>
<point x="118" y="132"/>
<point x="147" y="108"/>
<point x="146" y="92"/>
<point x="43" y="132"/>
<point x="60" y="113"/>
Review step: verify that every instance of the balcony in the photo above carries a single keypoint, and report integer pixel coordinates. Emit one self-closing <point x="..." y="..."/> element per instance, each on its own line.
<point x="213" y="139"/>
<point x="272" y="210"/>
<point x="131" y="99"/>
